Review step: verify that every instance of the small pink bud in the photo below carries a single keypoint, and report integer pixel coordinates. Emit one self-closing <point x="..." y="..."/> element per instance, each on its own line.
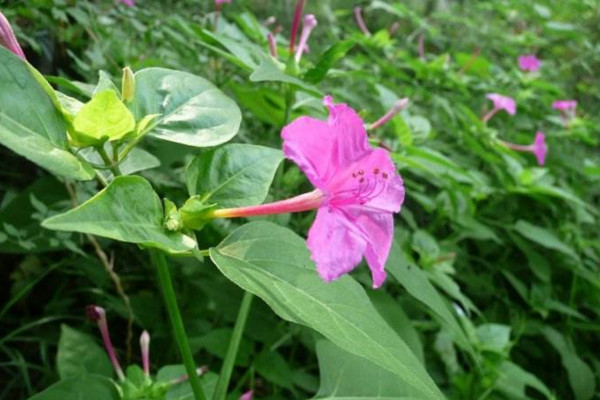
<point x="269" y="21"/>
<point x="8" y="38"/>
<point x="398" y="106"/>
<point x="360" y="21"/>
<point x="145" y="346"/>
<point x="309" y="23"/>
<point x="98" y="315"/>
<point x="272" y="45"/>
<point x="296" y="23"/>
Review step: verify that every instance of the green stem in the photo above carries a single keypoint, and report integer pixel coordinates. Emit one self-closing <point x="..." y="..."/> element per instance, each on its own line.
<point x="289" y="99"/>
<point x="158" y="258"/>
<point x="108" y="162"/>
<point x="234" y="345"/>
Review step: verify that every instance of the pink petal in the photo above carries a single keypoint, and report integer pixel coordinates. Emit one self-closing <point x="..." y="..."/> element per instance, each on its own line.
<point x="322" y="149"/>
<point x="336" y="246"/>
<point x="505" y="103"/>
<point x="308" y="142"/>
<point x="539" y="147"/>
<point x="378" y="229"/>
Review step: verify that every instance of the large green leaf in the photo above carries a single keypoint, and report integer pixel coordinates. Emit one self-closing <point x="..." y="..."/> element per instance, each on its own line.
<point x="31" y="122"/>
<point x="88" y="387"/>
<point x="127" y="210"/>
<point x="192" y="110"/>
<point x="274" y="263"/>
<point x="234" y="175"/>
<point x="345" y="376"/>
<point x="41" y="151"/>
<point x="416" y="283"/>
<point x="79" y="354"/>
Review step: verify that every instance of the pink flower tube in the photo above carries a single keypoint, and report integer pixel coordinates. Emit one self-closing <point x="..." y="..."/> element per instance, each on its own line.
<point x="538" y="148"/>
<point x="501" y="102"/>
<point x="357" y="192"/>
<point x="98" y="315"/>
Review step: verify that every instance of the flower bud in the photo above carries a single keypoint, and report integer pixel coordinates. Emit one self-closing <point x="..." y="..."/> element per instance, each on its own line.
<point x="127" y="85"/>
<point x="8" y="38"/>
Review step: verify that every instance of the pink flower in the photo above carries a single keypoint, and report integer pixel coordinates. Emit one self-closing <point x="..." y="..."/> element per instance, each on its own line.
<point x="538" y="147"/>
<point x="500" y="103"/>
<point x="564" y="105"/>
<point x="8" y="38"/>
<point x="358" y="191"/>
<point x="361" y="191"/>
<point x="567" y="110"/>
<point x="219" y="2"/>
<point x="296" y="24"/>
<point x="247" y="396"/>
<point x="128" y="3"/>
<point x="396" y="108"/>
<point x="529" y="62"/>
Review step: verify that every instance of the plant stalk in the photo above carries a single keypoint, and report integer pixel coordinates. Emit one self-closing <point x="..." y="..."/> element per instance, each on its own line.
<point x="158" y="258"/>
<point x="234" y="345"/>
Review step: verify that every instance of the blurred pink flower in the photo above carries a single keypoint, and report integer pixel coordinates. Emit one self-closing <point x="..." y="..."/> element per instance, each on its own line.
<point x="219" y="2"/>
<point x="567" y="110"/>
<point x="308" y="24"/>
<point x="564" y="105"/>
<point x="358" y="191"/>
<point x="500" y="103"/>
<point x="538" y="147"/>
<point x="128" y="3"/>
<point x="8" y="38"/>
<point x="360" y="21"/>
<point x="145" y="347"/>
<point x="247" y="396"/>
<point x="529" y="62"/>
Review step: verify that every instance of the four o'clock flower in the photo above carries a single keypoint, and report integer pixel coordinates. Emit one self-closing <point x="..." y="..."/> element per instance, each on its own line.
<point x="567" y="110"/>
<point x="396" y="108"/>
<point x="128" y="3"/>
<point x="538" y="147"/>
<point x="296" y="24"/>
<point x="529" y="62"/>
<point x="98" y="314"/>
<point x="8" y="38"/>
<point x="357" y="192"/>
<point x="500" y="103"/>
<point x="308" y="24"/>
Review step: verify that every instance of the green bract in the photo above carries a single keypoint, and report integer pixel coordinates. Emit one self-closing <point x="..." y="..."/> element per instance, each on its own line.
<point x="104" y="118"/>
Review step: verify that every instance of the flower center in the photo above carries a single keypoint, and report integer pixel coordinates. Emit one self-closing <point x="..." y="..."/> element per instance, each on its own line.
<point x="364" y="187"/>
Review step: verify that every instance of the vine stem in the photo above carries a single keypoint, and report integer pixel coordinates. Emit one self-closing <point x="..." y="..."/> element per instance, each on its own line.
<point x="114" y="168"/>
<point x="164" y="278"/>
<point x="234" y="345"/>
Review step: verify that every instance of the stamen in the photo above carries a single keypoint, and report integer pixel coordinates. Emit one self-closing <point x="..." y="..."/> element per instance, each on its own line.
<point x="368" y="188"/>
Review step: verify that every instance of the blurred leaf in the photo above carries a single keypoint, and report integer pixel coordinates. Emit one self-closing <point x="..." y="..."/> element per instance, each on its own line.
<point x="89" y="387"/>
<point x="327" y="60"/>
<point x="543" y="237"/>
<point x="514" y="380"/>
<point x="274" y="368"/>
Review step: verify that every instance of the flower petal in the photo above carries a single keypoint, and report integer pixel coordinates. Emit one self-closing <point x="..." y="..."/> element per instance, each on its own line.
<point x="309" y="143"/>
<point x="378" y="230"/>
<point x="336" y="246"/>
<point x="350" y="133"/>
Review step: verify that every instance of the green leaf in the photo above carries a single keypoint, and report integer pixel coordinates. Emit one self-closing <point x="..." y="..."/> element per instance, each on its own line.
<point x="543" y="237"/>
<point x="79" y="354"/>
<point x="29" y="100"/>
<point x="581" y="376"/>
<point x="415" y="281"/>
<point x="269" y="71"/>
<point x="88" y="387"/>
<point x="41" y="151"/>
<point x="192" y="110"/>
<point x="274" y="368"/>
<point x="105" y="117"/>
<point x="513" y="381"/>
<point x="273" y="263"/>
<point x="181" y="391"/>
<point x="31" y="120"/>
<point x="345" y="376"/>
<point x="127" y="210"/>
<point x="332" y="55"/>
<point x="233" y="175"/>
<point x="493" y="337"/>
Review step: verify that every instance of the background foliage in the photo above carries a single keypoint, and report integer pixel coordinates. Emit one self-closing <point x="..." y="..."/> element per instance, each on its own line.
<point x="494" y="281"/>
